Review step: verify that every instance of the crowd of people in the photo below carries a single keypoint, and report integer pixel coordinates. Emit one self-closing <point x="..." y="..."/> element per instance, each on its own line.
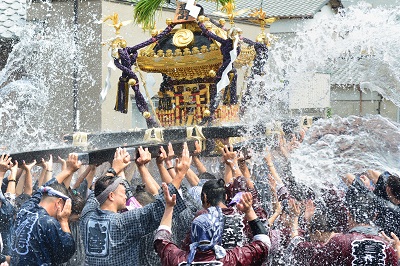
<point x="95" y="215"/>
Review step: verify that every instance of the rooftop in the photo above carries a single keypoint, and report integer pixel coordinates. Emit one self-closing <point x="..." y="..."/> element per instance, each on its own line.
<point x="12" y="16"/>
<point x="273" y="8"/>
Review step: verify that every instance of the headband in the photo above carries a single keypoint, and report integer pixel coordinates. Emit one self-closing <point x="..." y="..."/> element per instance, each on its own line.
<point x="54" y="193"/>
<point x="112" y="187"/>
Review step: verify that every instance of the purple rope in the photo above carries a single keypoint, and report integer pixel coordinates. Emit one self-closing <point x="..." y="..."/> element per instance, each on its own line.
<point x="127" y="59"/>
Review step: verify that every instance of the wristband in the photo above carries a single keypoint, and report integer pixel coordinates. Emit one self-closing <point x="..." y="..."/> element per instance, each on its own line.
<point x="12" y="180"/>
<point x="112" y="171"/>
<point x="169" y="168"/>
<point x="257" y="227"/>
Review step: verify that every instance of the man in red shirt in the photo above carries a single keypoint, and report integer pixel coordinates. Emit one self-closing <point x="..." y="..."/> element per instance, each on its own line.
<point x="362" y="245"/>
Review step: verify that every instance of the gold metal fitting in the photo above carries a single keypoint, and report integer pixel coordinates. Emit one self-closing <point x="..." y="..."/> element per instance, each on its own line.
<point x="132" y="82"/>
<point x="146" y="115"/>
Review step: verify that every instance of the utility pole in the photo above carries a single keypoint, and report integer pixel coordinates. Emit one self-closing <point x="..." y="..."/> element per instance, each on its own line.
<point x="75" y="93"/>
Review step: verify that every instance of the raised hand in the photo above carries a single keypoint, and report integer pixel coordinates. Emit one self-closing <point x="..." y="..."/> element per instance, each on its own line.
<point x="5" y="163"/>
<point x="348" y="179"/>
<point x="394" y="242"/>
<point x="47" y="165"/>
<point x="72" y="163"/>
<point x="294" y="208"/>
<point x="121" y="160"/>
<point x="229" y="156"/>
<point x="170" y="201"/>
<point x="64" y="213"/>
<point x="63" y="163"/>
<point x="144" y="156"/>
<point x="183" y="163"/>
<point x="162" y="156"/>
<point x="197" y="148"/>
<point x="246" y="202"/>
<point x="309" y="211"/>
<point x="28" y="167"/>
<point x="171" y="153"/>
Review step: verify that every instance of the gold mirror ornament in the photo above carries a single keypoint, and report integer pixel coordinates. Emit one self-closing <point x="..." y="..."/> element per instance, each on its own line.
<point x="183" y="38"/>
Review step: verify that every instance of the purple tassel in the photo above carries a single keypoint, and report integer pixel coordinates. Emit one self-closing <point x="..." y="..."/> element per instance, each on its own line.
<point x="121" y="104"/>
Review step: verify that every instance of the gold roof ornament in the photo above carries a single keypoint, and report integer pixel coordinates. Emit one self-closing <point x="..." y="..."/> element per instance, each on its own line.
<point x="116" y="23"/>
<point x="228" y="10"/>
<point x="260" y="17"/>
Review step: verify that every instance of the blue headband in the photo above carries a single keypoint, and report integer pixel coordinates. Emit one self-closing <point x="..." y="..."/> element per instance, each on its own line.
<point x="53" y="193"/>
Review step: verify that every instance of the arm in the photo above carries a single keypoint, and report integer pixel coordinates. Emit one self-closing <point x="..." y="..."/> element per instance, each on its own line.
<point x="59" y="239"/>
<point x="245" y="170"/>
<point x="147" y="219"/>
<point x="20" y="185"/>
<point x="165" y="177"/>
<point x="256" y="252"/>
<point x="12" y="179"/>
<point x="82" y="177"/>
<point x="192" y="178"/>
<point x="196" y="160"/>
<point x="72" y="165"/>
<point x="271" y="167"/>
<point x="199" y="165"/>
<point x="230" y="158"/>
<point x="356" y="186"/>
<point x="166" y="220"/>
<point x="294" y="215"/>
<point x="49" y="169"/>
<point x="28" y="185"/>
<point x="151" y="185"/>
<point x="5" y="164"/>
<point x="168" y="162"/>
<point x="182" y="166"/>
<point x="90" y="176"/>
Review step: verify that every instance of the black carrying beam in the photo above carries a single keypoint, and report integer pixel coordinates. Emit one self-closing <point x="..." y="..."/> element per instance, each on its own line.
<point x="111" y="139"/>
<point x="100" y="155"/>
<point x="101" y="146"/>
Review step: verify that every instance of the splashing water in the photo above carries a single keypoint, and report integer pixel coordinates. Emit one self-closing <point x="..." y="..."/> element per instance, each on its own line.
<point x="361" y="42"/>
<point x="28" y="95"/>
<point x="336" y="146"/>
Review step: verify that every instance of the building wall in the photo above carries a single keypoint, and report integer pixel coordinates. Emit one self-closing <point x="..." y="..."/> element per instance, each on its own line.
<point x="350" y="101"/>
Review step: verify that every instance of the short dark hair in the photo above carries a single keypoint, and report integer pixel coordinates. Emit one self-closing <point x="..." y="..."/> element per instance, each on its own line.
<point x="320" y="221"/>
<point x="78" y="202"/>
<point x="206" y="175"/>
<point x="142" y="196"/>
<point x="59" y="187"/>
<point x="361" y="206"/>
<point x="393" y="183"/>
<point x="102" y="183"/>
<point x="214" y="191"/>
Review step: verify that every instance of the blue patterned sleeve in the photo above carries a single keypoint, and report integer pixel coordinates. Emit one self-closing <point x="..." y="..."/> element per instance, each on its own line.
<point x="147" y="219"/>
